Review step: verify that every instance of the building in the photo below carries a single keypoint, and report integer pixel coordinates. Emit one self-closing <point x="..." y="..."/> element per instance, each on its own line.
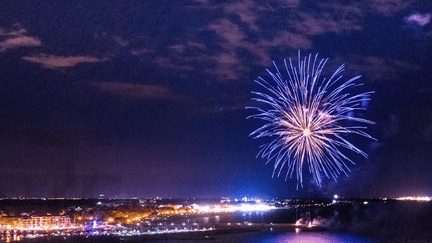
<point x="35" y="222"/>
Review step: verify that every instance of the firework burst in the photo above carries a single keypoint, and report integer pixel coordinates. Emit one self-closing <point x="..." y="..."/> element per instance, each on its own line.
<point x="309" y="118"/>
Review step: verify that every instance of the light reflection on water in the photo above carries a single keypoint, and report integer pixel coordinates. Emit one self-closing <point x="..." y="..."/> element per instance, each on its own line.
<point x="279" y="237"/>
<point x="314" y="237"/>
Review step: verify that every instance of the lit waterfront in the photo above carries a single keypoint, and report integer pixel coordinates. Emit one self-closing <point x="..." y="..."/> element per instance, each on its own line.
<point x="140" y="220"/>
<point x="160" y="229"/>
<point x="13" y="235"/>
<point x="118" y="220"/>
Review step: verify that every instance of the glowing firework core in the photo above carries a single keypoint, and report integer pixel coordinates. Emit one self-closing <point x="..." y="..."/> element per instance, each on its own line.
<point x="306" y="132"/>
<point x="308" y="117"/>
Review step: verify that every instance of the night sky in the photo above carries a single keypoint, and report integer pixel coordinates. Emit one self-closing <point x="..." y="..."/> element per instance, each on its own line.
<point x="147" y="98"/>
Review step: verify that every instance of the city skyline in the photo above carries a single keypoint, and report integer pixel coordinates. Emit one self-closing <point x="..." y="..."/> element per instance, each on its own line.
<point x="148" y="99"/>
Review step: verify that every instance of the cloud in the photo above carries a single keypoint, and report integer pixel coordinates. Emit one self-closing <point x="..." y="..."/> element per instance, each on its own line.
<point x="245" y="10"/>
<point x="287" y="39"/>
<point x="182" y="59"/>
<point x="196" y="45"/>
<point x="420" y="19"/>
<point x="248" y="11"/>
<point x="377" y="68"/>
<point x="179" y="48"/>
<point x="202" y="1"/>
<point x="140" y="52"/>
<point x="302" y="26"/>
<point x="18" y="30"/>
<point x="245" y="26"/>
<point x="228" y="66"/>
<point x="122" y="42"/>
<point x="332" y="18"/>
<point x="15" y="38"/>
<point x="50" y="61"/>
<point x="132" y="90"/>
<point x="388" y="7"/>
<point x="137" y="91"/>
<point x="20" y="41"/>
<point x="168" y="63"/>
<point x="233" y="39"/>
<point x="229" y="32"/>
<point x="290" y="3"/>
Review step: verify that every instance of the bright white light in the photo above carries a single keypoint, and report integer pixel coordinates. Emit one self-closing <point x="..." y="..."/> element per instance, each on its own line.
<point x="254" y="207"/>
<point x="336" y="196"/>
<point x="427" y="199"/>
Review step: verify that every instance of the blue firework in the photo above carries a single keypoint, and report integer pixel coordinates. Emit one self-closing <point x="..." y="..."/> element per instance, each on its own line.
<point x="309" y="119"/>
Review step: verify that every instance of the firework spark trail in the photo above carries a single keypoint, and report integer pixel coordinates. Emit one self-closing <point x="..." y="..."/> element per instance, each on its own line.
<point x="308" y="118"/>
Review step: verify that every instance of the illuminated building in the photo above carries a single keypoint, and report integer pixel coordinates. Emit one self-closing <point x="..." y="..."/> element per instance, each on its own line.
<point x="35" y="222"/>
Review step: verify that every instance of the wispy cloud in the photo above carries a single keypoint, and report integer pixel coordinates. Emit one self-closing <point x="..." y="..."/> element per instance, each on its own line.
<point x="133" y="90"/>
<point x="141" y="52"/>
<point x="388" y="7"/>
<point x="50" y="61"/>
<point x="138" y="91"/>
<point x="122" y="42"/>
<point x="202" y="1"/>
<point x="20" y="41"/>
<point x="373" y="67"/>
<point x="228" y="66"/>
<point x="286" y="39"/>
<point x="16" y="38"/>
<point x="245" y="10"/>
<point x="229" y="32"/>
<point x="17" y="30"/>
<point x="165" y="62"/>
<point x="243" y="27"/>
<point x="333" y="18"/>
<point x="302" y="26"/>
<point x="290" y="3"/>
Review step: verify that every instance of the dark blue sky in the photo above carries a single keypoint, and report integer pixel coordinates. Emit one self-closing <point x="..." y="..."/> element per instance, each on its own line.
<point x="148" y="99"/>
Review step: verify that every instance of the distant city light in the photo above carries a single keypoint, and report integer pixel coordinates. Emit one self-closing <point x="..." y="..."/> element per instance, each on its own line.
<point x="134" y="223"/>
<point x="426" y="199"/>
<point x="232" y="208"/>
<point x="254" y="207"/>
